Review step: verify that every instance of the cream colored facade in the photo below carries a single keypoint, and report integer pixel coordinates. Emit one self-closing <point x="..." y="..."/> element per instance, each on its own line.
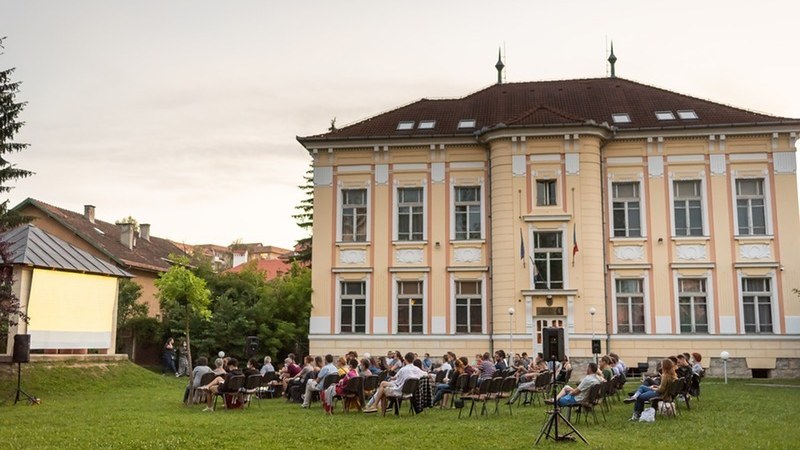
<point x="588" y="167"/>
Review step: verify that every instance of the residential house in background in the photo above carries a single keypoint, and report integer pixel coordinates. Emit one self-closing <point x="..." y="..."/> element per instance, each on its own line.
<point x="271" y="268"/>
<point x="656" y="221"/>
<point x="138" y="253"/>
<point x="253" y="251"/>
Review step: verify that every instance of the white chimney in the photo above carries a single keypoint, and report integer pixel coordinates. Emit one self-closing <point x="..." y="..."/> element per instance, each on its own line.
<point x="88" y="212"/>
<point x="126" y="235"/>
<point x="144" y="231"/>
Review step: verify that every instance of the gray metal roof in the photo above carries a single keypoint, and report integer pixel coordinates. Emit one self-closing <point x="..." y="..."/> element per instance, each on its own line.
<point x="33" y="247"/>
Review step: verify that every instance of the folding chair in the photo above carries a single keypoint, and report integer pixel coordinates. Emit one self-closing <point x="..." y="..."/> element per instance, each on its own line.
<point x="408" y="390"/>
<point x="250" y="388"/>
<point x="506" y="388"/>
<point x="233" y="387"/>
<point x="200" y="394"/>
<point x="353" y="391"/>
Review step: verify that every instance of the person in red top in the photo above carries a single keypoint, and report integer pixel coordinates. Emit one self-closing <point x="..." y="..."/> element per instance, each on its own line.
<point x="338" y="388"/>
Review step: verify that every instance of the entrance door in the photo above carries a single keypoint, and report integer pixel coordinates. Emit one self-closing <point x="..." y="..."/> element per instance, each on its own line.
<point x="541" y="323"/>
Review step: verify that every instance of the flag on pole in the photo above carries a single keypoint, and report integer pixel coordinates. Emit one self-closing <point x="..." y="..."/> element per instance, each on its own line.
<point x="521" y="247"/>
<point x="574" y="241"/>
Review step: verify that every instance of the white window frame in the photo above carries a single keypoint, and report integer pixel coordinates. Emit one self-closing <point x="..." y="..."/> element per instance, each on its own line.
<point x="338" y="305"/>
<point x="645" y="277"/>
<point x="642" y="207"/>
<point x="776" y="320"/>
<point x="482" y="308"/>
<point x="453" y="210"/>
<point x="425" y="306"/>
<point x="621" y="118"/>
<point x="767" y="204"/>
<point x="564" y="260"/>
<point x="703" y="203"/>
<point x="710" y="312"/>
<point x="555" y="181"/>
<point x="339" y="205"/>
<point x="453" y="280"/>
<point x="396" y="208"/>
<point x="466" y="124"/>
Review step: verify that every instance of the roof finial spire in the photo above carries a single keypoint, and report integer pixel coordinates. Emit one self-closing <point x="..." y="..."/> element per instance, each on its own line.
<point x="612" y="59"/>
<point x="499" y="66"/>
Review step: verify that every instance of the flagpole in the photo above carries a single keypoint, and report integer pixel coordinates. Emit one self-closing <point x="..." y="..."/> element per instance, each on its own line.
<point x="574" y="232"/>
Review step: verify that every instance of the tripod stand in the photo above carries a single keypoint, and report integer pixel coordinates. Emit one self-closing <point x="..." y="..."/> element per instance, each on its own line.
<point x="31" y="399"/>
<point x="551" y="424"/>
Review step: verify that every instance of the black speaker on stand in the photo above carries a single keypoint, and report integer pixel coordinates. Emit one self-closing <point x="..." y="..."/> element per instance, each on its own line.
<point x="553" y="350"/>
<point x="22" y="354"/>
<point x="251" y="346"/>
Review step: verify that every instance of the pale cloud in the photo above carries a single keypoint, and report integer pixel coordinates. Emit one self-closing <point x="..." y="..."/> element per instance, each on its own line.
<point x="184" y="114"/>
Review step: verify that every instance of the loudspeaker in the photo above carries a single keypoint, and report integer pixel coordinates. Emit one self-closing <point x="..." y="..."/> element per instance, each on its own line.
<point x="596" y="350"/>
<point x="553" y="340"/>
<point x="251" y="346"/>
<point x="22" y="348"/>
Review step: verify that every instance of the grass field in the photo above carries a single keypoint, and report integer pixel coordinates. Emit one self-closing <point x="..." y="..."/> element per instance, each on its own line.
<point x="120" y="405"/>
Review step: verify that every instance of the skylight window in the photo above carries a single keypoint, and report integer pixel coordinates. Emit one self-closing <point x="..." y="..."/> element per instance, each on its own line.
<point x="98" y="230"/>
<point x="687" y="114"/>
<point x="405" y="125"/>
<point x="466" y="123"/>
<point x="426" y="124"/>
<point x="621" y="118"/>
<point x="665" y="115"/>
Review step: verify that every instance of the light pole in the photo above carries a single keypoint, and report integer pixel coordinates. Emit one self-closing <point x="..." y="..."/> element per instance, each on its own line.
<point x="592" y="312"/>
<point x="511" y="336"/>
<point x="724" y="356"/>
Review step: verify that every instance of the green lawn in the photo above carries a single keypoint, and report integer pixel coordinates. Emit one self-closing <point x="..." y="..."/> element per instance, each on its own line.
<point x="120" y="405"/>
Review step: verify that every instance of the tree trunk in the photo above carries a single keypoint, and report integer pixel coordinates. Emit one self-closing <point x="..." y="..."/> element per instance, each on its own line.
<point x="191" y="375"/>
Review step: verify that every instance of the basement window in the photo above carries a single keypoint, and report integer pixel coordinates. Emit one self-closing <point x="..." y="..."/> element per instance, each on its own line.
<point x="426" y="124"/>
<point x="665" y="115"/>
<point x="466" y="123"/>
<point x="687" y="114"/>
<point x="621" y="118"/>
<point x="405" y="125"/>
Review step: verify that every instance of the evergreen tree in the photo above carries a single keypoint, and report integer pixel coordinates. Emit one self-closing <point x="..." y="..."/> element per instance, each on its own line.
<point x="305" y="219"/>
<point x="10" y="109"/>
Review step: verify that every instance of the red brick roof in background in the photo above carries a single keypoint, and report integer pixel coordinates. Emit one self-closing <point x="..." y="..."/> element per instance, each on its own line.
<point x="271" y="268"/>
<point x="148" y="255"/>
<point x="551" y="103"/>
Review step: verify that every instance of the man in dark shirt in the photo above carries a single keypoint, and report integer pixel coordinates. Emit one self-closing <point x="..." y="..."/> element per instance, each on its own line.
<point x="218" y="385"/>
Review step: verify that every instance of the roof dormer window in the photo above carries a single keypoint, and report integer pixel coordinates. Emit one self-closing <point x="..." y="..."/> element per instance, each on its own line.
<point x="426" y="124"/>
<point x="466" y="123"/>
<point x="665" y="115"/>
<point x="405" y="125"/>
<point x="621" y="118"/>
<point x="687" y="114"/>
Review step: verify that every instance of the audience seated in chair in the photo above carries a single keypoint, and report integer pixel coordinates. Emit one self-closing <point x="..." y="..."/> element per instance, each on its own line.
<point x="394" y="387"/>
<point x="218" y="385"/>
<point x="570" y="396"/>
<point x="201" y="368"/>
<point x="644" y="393"/>
<point x="267" y="367"/>
<point x="315" y="385"/>
<point x="338" y="388"/>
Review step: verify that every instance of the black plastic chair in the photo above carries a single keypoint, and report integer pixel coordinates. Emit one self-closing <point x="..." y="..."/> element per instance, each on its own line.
<point x="250" y="388"/>
<point x="353" y="390"/>
<point x="232" y="388"/>
<point x="408" y="391"/>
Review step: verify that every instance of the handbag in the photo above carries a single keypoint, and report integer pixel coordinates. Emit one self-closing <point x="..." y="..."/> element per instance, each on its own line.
<point x="648" y="415"/>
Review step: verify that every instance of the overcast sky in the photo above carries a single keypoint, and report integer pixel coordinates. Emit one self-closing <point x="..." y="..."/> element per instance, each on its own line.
<point x="183" y="114"/>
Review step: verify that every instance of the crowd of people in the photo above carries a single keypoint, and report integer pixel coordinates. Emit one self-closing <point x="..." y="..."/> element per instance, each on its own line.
<point x="301" y="383"/>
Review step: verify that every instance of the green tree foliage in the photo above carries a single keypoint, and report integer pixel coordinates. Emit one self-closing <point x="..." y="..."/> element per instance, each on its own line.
<point x="129" y="219"/>
<point x="244" y="304"/>
<point x="305" y="219"/>
<point x="10" y="109"/>
<point x="127" y="306"/>
<point x="184" y="298"/>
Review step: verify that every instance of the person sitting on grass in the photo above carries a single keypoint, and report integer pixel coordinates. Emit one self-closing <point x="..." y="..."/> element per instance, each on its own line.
<point x="572" y="396"/>
<point x="394" y="387"/>
<point x="218" y="384"/>
<point x="645" y="393"/>
<point x="338" y="388"/>
<point x="200" y="368"/>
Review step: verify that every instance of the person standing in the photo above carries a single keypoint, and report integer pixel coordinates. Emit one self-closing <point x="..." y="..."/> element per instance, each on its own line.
<point x="183" y="360"/>
<point x="168" y="357"/>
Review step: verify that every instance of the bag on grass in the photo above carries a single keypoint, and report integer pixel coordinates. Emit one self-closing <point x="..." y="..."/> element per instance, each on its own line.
<point x="648" y="415"/>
